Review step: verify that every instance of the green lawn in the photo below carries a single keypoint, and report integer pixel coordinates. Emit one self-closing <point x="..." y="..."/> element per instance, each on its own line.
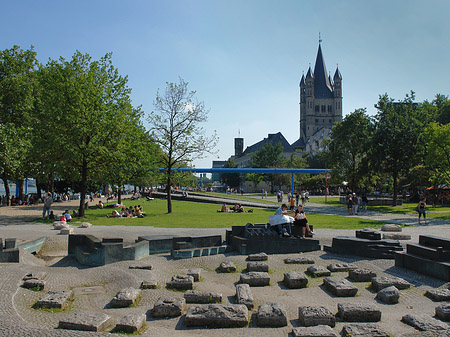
<point x="256" y="197"/>
<point x="198" y="215"/>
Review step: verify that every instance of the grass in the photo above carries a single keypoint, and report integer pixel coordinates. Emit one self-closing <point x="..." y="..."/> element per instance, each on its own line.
<point x="198" y="215"/>
<point x="257" y="197"/>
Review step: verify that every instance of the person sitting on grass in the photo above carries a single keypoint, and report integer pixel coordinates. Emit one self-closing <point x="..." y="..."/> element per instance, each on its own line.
<point x="100" y="204"/>
<point x="302" y="221"/>
<point x="224" y="209"/>
<point x="51" y="216"/>
<point x="67" y="215"/>
<point x="238" y="208"/>
<point x="115" y="214"/>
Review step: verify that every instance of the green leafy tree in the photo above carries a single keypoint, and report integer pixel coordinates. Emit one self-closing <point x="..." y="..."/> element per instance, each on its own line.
<point x="397" y="144"/>
<point x="437" y="138"/>
<point x="84" y="109"/>
<point x="176" y="128"/>
<point x="348" y="147"/>
<point x="231" y="179"/>
<point x="269" y="156"/>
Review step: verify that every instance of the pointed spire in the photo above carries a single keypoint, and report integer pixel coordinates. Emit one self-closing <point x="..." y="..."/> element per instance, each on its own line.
<point x="322" y="85"/>
<point x="309" y="74"/>
<point x="302" y="80"/>
<point x="337" y="74"/>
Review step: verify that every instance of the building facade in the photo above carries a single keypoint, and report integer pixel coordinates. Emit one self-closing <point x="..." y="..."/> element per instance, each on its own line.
<point x="320" y="104"/>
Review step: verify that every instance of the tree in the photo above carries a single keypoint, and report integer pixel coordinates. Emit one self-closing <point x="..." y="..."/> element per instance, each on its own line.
<point x="176" y="129"/>
<point x="86" y="105"/>
<point x="269" y="156"/>
<point x="437" y="138"/>
<point x="231" y="179"/>
<point x="348" y="147"/>
<point x="17" y="96"/>
<point x="397" y="144"/>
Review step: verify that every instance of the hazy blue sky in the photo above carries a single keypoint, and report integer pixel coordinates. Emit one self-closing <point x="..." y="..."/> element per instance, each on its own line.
<point x="246" y="58"/>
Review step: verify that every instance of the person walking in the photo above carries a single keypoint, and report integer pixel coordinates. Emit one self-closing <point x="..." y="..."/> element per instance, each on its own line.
<point x="421" y="209"/>
<point x="47" y="203"/>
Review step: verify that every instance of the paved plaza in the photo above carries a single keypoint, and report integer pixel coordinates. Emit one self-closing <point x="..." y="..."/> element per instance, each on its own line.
<point x="95" y="287"/>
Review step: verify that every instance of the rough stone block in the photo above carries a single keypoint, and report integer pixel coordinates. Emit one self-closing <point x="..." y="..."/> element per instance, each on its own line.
<point x="125" y="298"/>
<point x="364" y="330"/>
<point x="258" y="257"/>
<point x="424" y="322"/>
<point x="314" y="331"/>
<point x="255" y="279"/>
<point x="359" y="312"/>
<point x="84" y="321"/>
<point x="227" y="267"/>
<point x="390" y="227"/>
<point x="130" y="323"/>
<point x="34" y="284"/>
<point x="340" y="286"/>
<point x="443" y="312"/>
<point x="311" y="316"/>
<point x="389" y="295"/>
<point x="396" y="236"/>
<point x="295" y="280"/>
<point x="337" y="267"/>
<point x="66" y="231"/>
<point x="36" y="276"/>
<point x="271" y="314"/>
<point x="195" y="296"/>
<point x="58" y="225"/>
<point x="169" y="307"/>
<point x="195" y="273"/>
<point x="10" y="243"/>
<point x="361" y="275"/>
<point x="181" y="282"/>
<point x="318" y="271"/>
<point x="299" y="260"/>
<point x="257" y="266"/>
<point x="54" y="299"/>
<point x="382" y="282"/>
<point x="149" y="284"/>
<point x="244" y="295"/>
<point x="217" y="316"/>
<point x="438" y="295"/>
<point x="85" y="225"/>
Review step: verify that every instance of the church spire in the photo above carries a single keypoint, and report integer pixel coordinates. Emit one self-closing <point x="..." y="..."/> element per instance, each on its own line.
<point x="322" y="85"/>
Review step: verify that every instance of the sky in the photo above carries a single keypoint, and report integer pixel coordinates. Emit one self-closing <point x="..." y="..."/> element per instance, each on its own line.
<point x="245" y="58"/>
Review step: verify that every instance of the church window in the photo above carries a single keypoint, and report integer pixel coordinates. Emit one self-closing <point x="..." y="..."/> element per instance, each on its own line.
<point x="323" y="108"/>
<point x="330" y="107"/>
<point x="329" y="121"/>
<point x="317" y="108"/>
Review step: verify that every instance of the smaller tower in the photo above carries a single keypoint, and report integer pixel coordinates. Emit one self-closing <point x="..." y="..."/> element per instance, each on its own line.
<point x="337" y="89"/>
<point x="238" y="146"/>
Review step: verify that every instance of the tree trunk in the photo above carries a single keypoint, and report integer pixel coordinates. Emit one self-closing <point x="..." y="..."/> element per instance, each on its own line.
<point x="119" y="195"/>
<point x="20" y="184"/>
<point x="38" y="189"/>
<point x="7" y="191"/>
<point x="169" y="191"/>
<point x="83" y="187"/>
<point x="394" y="197"/>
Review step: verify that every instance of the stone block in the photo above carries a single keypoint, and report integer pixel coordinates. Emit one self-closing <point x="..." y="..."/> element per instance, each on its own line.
<point x="364" y="330"/>
<point x="244" y="295"/>
<point x="84" y="321"/>
<point x="257" y="266"/>
<point x="195" y="296"/>
<point x="359" y="312"/>
<point x="255" y="279"/>
<point x="361" y="275"/>
<point x="58" y="225"/>
<point x="340" y="286"/>
<point x="125" y="298"/>
<point x="217" y="316"/>
<point x="34" y="284"/>
<point x="130" y="323"/>
<point x="311" y="316"/>
<point x="382" y="282"/>
<point x="443" y="312"/>
<point x="317" y="271"/>
<point x="195" y="273"/>
<point x="37" y="276"/>
<point x="368" y="234"/>
<point x="258" y="257"/>
<point x="66" y="231"/>
<point x="389" y="295"/>
<point x="149" y="284"/>
<point x="438" y="295"/>
<point x="168" y="307"/>
<point x="295" y="280"/>
<point x="271" y="314"/>
<point x="54" y="299"/>
<point x="396" y="236"/>
<point x="227" y="267"/>
<point x="424" y="322"/>
<point x="337" y="267"/>
<point x="181" y="282"/>
<point x="314" y="331"/>
<point x="10" y="243"/>
<point x="85" y="225"/>
<point x="299" y="260"/>
<point x="390" y="227"/>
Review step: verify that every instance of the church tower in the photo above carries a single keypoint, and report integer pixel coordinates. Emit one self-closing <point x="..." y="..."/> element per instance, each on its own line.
<point x="320" y="103"/>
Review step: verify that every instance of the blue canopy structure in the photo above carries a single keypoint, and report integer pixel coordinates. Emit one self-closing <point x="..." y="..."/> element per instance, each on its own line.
<point x="292" y="171"/>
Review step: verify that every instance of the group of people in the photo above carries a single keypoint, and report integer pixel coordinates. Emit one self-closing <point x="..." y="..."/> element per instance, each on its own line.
<point x="237" y="208"/>
<point x="300" y="220"/>
<point x="130" y="212"/>
<point x="354" y="201"/>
